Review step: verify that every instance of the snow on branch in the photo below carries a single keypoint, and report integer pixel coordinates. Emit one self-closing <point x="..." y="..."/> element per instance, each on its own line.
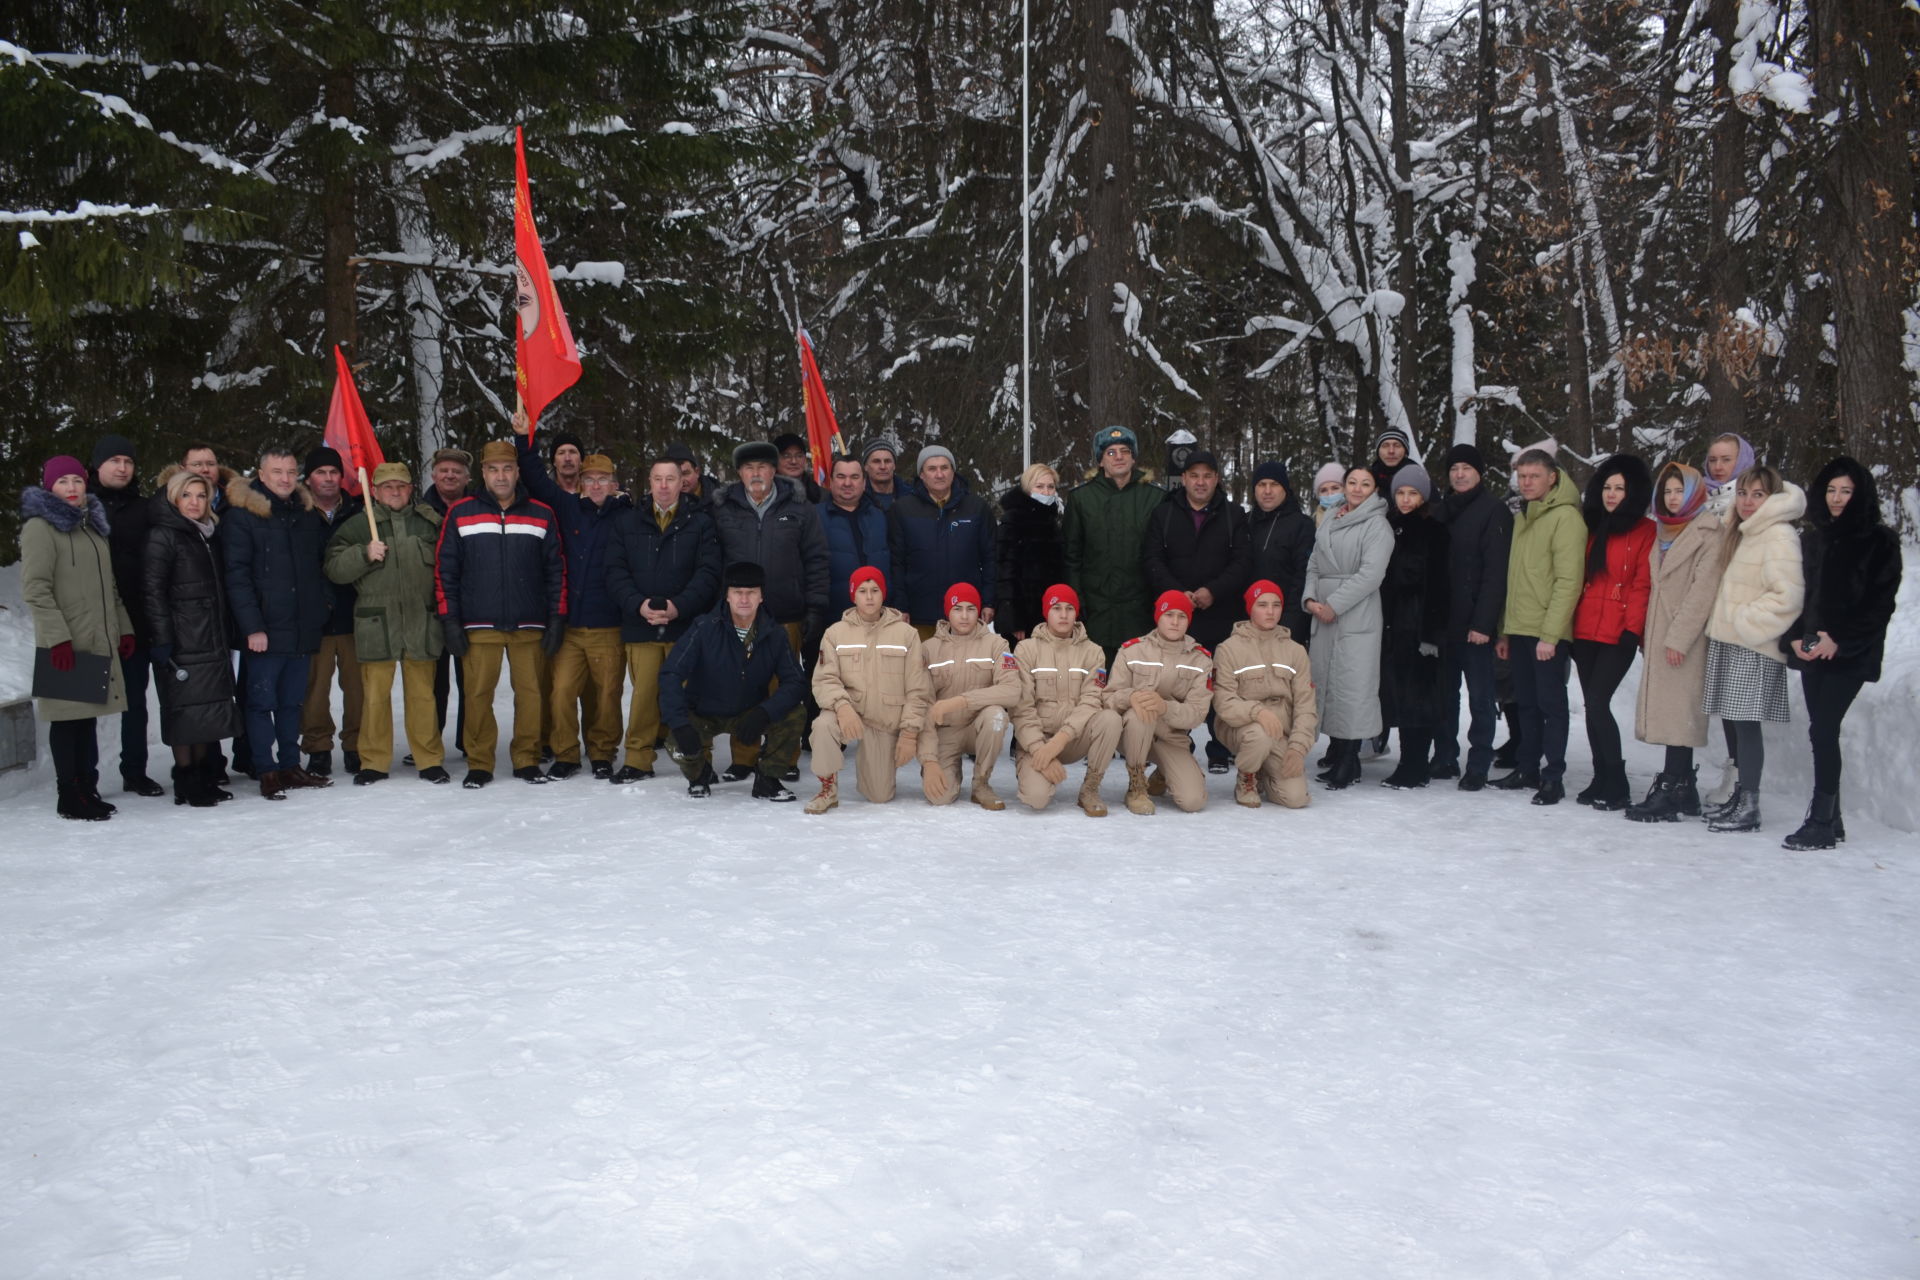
<point x="1130" y="311"/>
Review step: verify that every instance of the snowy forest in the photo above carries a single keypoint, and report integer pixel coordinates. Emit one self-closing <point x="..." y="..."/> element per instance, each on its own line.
<point x="1280" y="224"/>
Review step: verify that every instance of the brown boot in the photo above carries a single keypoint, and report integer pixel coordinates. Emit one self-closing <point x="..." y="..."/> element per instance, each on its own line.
<point x="829" y="797"/>
<point x="1156" y="782"/>
<point x="1138" y="801"/>
<point x="1246" y="790"/>
<point x="301" y="778"/>
<point x="274" y="784"/>
<point x="984" y="797"/>
<point x="1089" y="801"/>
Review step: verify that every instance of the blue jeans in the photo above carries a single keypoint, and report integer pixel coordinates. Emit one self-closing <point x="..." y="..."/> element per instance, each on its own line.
<point x="276" y="687"/>
<point x="137" y="671"/>
<point x="1540" y="688"/>
<point x="1474" y="664"/>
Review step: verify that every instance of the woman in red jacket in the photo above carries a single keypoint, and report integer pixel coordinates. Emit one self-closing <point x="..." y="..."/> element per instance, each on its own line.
<point x="1612" y="613"/>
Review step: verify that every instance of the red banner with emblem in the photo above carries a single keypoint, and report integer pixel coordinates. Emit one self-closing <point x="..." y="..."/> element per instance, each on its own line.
<point x="546" y="360"/>
<point x="823" y="432"/>
<point x="349" y="431"/>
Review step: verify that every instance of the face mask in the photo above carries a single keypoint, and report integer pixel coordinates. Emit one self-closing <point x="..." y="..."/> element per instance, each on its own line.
<point x="1332" y="500"/>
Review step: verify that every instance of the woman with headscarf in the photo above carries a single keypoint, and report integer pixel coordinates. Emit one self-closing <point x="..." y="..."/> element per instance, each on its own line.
<point x="1729" y="456"/>
<point x="1612" y="613"/>
<point x="182" y="584"/>
<point x="66" y="579"/>
<point x="1684" y="577"/>
<point x="1852" y="568"/>
<point x="1349" y="562"/>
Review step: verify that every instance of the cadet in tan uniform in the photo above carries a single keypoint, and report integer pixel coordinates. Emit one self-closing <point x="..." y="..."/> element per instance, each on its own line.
<point x="1263" y="703"/>
<point x="872" y="686"/>
<point x="976" y="684"/>
<point x="1061" y="716"/>
<point x="1161" y="688"/>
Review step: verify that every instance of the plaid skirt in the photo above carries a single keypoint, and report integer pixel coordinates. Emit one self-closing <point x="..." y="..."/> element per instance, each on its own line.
<point x="1742" y="685"/>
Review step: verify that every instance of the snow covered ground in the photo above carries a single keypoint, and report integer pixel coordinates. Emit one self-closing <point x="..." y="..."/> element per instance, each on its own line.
<point x="584" y="1031"/>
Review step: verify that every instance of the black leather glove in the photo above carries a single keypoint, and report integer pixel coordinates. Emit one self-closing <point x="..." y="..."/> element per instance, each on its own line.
<point x="687" y="739"/>
<point x="750" y="727"/>
<point x="556" y="635"/>
<point x="456" y="636"/>
<point x="816" y="630"/>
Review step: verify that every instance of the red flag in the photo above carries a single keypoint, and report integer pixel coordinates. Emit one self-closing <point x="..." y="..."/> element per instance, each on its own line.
<point x="546" y="361"/>
<point x="348" y="432"/>
<point x="823" y="433"/>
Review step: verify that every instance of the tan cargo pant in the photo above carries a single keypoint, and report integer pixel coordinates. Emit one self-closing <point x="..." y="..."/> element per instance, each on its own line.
<point x="589" y="668"/>
<point x="376" y="720"/>
<point x="983" y="737"/>
<point x="316" y="713"/>
<point x="874" y="773"/>
<point x="1096" y="745"/>
<point x="486" y="651"/>
<point x="1255" y="752"/>
<point x="749" y="757"/>
<point x="1172" y="750"/>
<point x="644" y="660"/>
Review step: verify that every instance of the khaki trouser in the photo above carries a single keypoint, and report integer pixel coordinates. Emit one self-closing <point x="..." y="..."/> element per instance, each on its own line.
<point x="486" y="650"/>
<point x="1255" y="752"/>
<point x="316" y="713"/>
<point x="376" y="724"/>
<point x="1172" y="750"/>
<point x="749" y="757"/>
<point x="644" y="660"/>
<point x="589" y="668"/>
<point x="1096" y="745"/>
<point x="874" y="771"/>
<point x="983" y="737"/>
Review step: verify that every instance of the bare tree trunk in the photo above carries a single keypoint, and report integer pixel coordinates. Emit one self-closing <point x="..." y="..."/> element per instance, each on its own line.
<point x="1725" y="267"/>
<point x="1579" y="416"/>
<point x="1109" y="227"/>
<point x="1860" y="68"/>
<point x="1407" y="268"/>
<point x="337" y="213"/>
<point x="1464" y="249"/>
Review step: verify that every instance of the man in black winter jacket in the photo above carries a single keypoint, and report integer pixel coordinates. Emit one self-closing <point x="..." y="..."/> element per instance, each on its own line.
<point x="734" y="673"/>
<point x="115" y="482"/>
<point x="273" y="539"/>
<point x="325" y="476"/>
<point x="500" y="583"/>
<point x="1479" y="533"/>
<point x="1282" y="537"/>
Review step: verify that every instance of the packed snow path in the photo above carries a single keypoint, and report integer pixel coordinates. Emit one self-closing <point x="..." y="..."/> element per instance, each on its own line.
<point x="585" y="1031"/>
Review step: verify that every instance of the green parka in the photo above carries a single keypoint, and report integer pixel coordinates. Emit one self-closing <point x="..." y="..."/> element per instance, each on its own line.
<point x="1547" y="565"/>
<point x="1105" y="529"/>
<point x="66" y="580"/>
<point x="395" y="617"/>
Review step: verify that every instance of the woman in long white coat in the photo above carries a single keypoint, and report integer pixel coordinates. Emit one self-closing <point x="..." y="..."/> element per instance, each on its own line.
<point x="1351" y="551"/>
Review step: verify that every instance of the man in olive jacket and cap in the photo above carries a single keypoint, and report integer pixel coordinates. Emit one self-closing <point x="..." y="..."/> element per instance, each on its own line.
<point x="394" y="621"/>
<point x="1105" y="527"/>
<point x="1545" y="571"/>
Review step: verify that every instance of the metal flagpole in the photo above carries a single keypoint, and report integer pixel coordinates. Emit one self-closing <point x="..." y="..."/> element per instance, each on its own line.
<point x="1026" y="250"/>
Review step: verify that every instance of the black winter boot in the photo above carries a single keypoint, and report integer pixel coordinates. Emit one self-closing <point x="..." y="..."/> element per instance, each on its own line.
<point x="212" y="775"/>
<point x="1661" y="804"/>
<point x="1346" y="769"/>
<point x="1414" y="769"/>
<point x="76" y="804"/>
<point x="1615" y="792"/>
<point x="1741" y="814"/>
<point x="1817" y="831"/>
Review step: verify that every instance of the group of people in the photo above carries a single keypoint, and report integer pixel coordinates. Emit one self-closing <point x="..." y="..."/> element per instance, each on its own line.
<point x="905" y="621"/>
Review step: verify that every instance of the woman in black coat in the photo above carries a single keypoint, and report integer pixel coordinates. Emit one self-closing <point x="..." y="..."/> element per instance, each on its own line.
<point x="1852" y="565"/>
<point x="1414" y="601"/>
<point x="183" y="586"/>
<point x="1030" y="551"/>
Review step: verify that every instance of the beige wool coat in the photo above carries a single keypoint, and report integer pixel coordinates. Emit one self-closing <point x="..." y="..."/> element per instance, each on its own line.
<point x="1685" y="580"/>
<point x="1765" y="583"/>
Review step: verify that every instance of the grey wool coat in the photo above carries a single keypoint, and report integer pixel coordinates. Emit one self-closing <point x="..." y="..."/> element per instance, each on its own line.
<point x="66" y="579"/>
<point x="1349" y="562"/>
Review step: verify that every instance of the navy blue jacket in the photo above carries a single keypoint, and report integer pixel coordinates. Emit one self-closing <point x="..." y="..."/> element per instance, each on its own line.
<point x="586" y="531"/>
<point x="500" y="569"/>
<point x="709" y="672"/>
<point x="681" y="564"/>
<point x="855" y="539"/>
<point x="935" y="547"/>
<point x="272" y="548"/>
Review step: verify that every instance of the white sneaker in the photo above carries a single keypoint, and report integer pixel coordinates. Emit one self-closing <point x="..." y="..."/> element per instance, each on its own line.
<point x="1729" y="779"/>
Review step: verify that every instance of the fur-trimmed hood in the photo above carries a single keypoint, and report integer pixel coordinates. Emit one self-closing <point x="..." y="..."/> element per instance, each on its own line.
<point x="253" y="497"/>
<point x="37" y="503"/>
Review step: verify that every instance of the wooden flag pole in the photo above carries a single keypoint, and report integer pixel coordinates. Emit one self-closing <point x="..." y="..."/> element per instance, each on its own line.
<point x="366" y="492"/>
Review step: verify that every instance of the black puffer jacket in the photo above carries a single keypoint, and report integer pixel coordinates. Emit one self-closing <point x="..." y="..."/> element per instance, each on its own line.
<point x="1479" y="537"/>
<point x="340" y="615"/>
<point x="184" y="599"/>
<point x="127" y="516"/>
<point x="273" y="549"/>
<point x="1215" y="554"/>
<point x="1413" y="603"/>
<point x="1282" y="544"/>
<point x="1031" y="555"/>
<point x="681" y="564"/>
<point x="1853" y="571"/>
<point x="789" y="544"/>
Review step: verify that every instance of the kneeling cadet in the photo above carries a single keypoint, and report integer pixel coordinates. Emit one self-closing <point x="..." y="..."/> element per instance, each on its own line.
<point x="1061" y="716"/>
<point x="872" y="686"/>
<point x="976" y="683"/>
<point x="1161" y="688"/>
<point x="1263" y="703"/>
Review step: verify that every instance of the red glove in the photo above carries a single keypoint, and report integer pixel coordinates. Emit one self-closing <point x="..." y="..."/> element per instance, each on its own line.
<point x="61" y="656"/>
<point x="126" y="646"/>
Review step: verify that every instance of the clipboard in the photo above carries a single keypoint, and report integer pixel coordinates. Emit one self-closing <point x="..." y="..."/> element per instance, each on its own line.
<point x="90" y="680"/>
